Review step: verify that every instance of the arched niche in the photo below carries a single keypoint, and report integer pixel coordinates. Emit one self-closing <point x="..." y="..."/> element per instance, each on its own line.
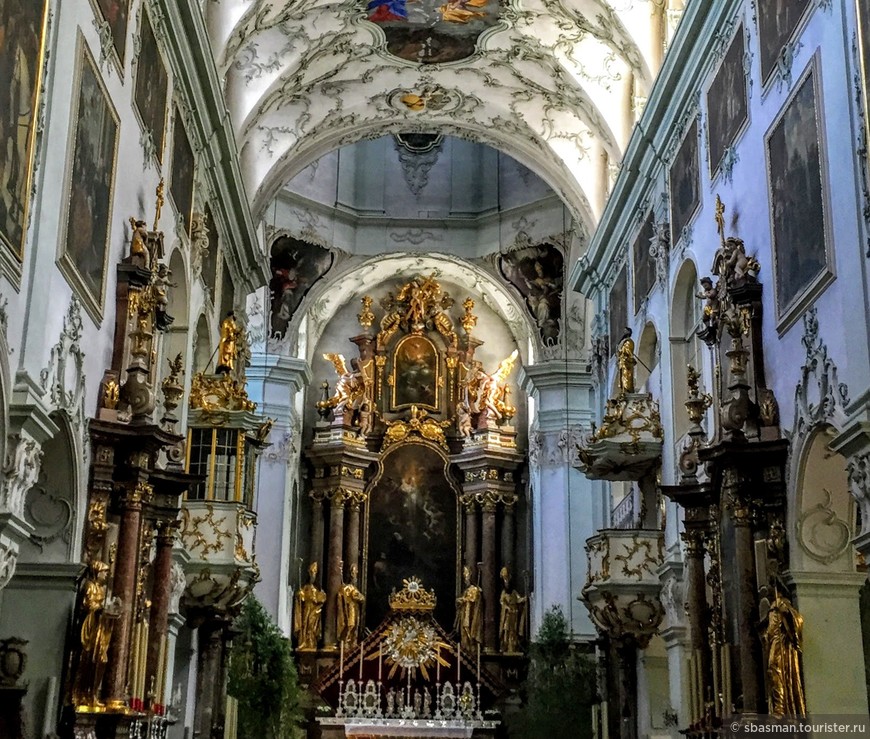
<point x="176" y="338"/>
<point x="51" y="506"/>
<point x="685" y="314"/>
<point x="202" y="348"/>
<point x="647" y="355"/>
<point x="411" y="528"/>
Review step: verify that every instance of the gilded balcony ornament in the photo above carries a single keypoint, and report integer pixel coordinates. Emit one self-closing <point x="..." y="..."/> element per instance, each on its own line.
<point x="219" y="393"/>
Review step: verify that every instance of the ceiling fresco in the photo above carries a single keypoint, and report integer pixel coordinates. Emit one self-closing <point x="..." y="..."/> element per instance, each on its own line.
<point x="549" y="82"/>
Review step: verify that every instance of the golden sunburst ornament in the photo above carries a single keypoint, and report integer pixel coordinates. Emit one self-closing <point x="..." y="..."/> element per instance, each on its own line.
<point x="411" y="644"/>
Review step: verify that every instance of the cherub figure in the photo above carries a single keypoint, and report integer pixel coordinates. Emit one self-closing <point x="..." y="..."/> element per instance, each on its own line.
<point x="710" y="293"/>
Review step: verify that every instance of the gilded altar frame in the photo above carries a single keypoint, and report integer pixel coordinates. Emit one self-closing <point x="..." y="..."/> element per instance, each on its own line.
<point x="395" y="378"/>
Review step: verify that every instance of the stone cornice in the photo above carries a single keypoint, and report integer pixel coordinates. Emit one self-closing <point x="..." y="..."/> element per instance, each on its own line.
<point x="556" y="373"/>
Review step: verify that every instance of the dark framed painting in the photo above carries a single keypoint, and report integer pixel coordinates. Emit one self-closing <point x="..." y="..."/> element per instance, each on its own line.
<point x="863" y="14"/>
<point x="643" y="265"/>
<point x="22" y="30"/>
<point x="115" y="13"/>
<point x="685" y="183"/>
<point x="90" y="186"/>
<point x="152" y="84"/>
<point x="210" y="259"/>
<point x="296" y="267"/>
<point x="416" y="373"/>
<point x="799" y="211"/>
<point x="537" y="272"/>
<point x="777" y="22"/>
<point x="617" y="306"/>
<point x="182" y="172"/>
<point x="727" y="107"/>
<point x="411" y="529"/>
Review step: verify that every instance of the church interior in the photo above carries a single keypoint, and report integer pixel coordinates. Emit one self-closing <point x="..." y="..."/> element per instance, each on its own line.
<point x="408" y="368"/>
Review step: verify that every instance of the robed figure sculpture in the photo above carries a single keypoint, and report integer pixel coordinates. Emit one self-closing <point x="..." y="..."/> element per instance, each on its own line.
<point x="512" y="619"/>
<point x="782" y="642"/>
<point x="307" y="623"/>
<point x="469" y="607"/>
<point x="350" y="601"/>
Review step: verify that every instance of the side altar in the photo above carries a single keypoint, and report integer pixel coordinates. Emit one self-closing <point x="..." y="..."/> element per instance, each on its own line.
<point x="415" y="477"/>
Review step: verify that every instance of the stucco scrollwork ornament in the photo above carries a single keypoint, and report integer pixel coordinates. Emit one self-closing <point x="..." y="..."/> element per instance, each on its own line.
<point x="8" y="560"/>
<point x="177" y="584"/>
<point x="63" y="380"/>
<point x="858" y="469"/>
<point x="21" y="470"/>
<point x="822" y="534"/>
<point x="199" y="232"/>
<point x="659" y="250"/>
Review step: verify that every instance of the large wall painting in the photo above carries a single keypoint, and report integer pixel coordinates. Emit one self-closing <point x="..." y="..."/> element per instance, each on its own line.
<point x="90" y="184"/>
<point x="415" y="373"/>
<point x="643" y="265"/>
<point x="777" y="22"/>
<point x="685" y="184"/>
<point x="182" y="174"/>
<point x="22" y="40"/>
<point x="296" y="267"/>
<point x="151" y="87"/>
<point x="412" y="529"/>
<point x="727" y="110"/>
<point x="796" y="171"/>
<point x="538" y="273"/>
<point x="433" y="31"/>
<point x="617" y="307"/>
<point x="115" y="13"/>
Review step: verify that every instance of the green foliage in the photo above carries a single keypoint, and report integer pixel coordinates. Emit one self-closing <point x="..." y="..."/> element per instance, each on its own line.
<point x="560" y="688"/>
<point x="262" y="677"/>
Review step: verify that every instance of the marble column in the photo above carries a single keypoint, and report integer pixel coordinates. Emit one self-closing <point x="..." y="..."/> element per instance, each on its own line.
<point x="471" y="551"/>
<point x="124" y="588"/>
<point x="351" y="552"/>
<point x="160" y="594"/>
<point x="316" y="554"/>
<point x="208" y="676"/>
<point x="696" y="602"/>
<point x="509" y="538"/>
<point x="489" y="575"/>
<point x="748" y="657"/>
<point x="334" y="576"/>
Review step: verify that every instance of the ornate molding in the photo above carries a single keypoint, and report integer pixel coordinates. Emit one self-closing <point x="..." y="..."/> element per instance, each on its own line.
<point x="21" y="472"/>
<point x="63" y="380"/>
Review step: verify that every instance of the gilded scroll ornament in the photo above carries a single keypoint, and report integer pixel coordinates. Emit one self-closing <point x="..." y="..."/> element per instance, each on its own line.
<point x="420" y="424"/>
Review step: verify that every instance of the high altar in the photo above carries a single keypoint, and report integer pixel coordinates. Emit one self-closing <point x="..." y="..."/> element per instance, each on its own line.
<point x="414" y="491"/>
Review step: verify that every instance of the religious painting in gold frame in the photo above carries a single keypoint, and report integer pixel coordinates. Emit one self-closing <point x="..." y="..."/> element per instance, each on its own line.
<point x="412" y="528"/>
<point x="863" y="14"/>
<point x="115" y="14"/>
<point x="182" y="171"/>
<point x="151" y="88"/>
<point x="90" y="185"/>
<point x="416" y="377"/>
<point x="23" y="25"/>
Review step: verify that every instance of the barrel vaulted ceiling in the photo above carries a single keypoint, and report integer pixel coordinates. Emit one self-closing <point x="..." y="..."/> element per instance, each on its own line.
<point x="550" y="82"/>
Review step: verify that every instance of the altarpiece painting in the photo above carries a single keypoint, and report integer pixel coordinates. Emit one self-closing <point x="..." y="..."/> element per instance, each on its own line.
<point x="685" y="184"/>
<point x="644" y="267"/>
<point x="777" y="22"/>
<point x="22" y="30"/>
<point x="727" y="110"/>
<point x="412" y="528"/>
<point x="90" y="185"/>
<point x="296" y="267"/>
<point x="151" y="87"/>
<point x="416" y="374"/>
<point x="115" y="13"/>
<point x="798" y="197"/>
<point x="537" y="273"/>
<point x="182" y="173"/>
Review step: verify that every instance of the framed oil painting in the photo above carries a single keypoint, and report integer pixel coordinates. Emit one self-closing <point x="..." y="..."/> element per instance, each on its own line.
<point x="90" y="186"/>
<point x="210" y="260"/>
<point x="727" y="108"/>
<point x="617" y="304"/>
<point x="799" y="212"/>
<point x="22" y="30"/>
<point x="416" y="373"/>
<point x="152" y="83"/>
<point x="411" y="527"/>
<point x="537" y="272"/>
<point x="182" y="172"/>
<point x="296" y="267"/>
<point x="685" y="184"/>
<point x="115" y="13"/>
<point x="433" y="31"/>
<point x="863" y="11"/>
<point x="643" y="265"/>
<point x="777" y="22"/>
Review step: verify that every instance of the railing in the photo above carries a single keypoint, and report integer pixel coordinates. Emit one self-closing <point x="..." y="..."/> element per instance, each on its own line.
<point x="626" y="513"/>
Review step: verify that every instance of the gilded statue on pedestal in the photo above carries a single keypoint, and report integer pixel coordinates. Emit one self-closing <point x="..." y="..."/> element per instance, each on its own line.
<point x="510" y="625"/>
<point x="228" y="349"/>
<point x="307" y="623"/>
<point x="350" y="601"/>
<point x="782" y="639"/>
<point x="487" y="394"/>
<point x="469" y="617"/>
<point x="96" y="633"/>
<point x="350" y="389"/>
<point x="625" y="363"/>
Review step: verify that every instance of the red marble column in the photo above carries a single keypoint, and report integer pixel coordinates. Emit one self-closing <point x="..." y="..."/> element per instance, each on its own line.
<point x="471" y="551"/>
<point x="316" y="553"/>
<point x="490" y="576"/>
<point x="351" y="550"/>
<point x="508" y="540"/>
<point x="159" y="627"/>
<point x="748" y="648"/>
<point x="333" y="579"/>
<point x="124" y="588"/>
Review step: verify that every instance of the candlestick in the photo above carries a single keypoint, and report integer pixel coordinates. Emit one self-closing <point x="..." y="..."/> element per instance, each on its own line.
<point x="437" y="664"/>
<point x="380" y="661"/>
<point x="360" y="662"/>
<point x="341" y="662"/>
<point x="458" y="660"/>
<point x="478" y="661"/>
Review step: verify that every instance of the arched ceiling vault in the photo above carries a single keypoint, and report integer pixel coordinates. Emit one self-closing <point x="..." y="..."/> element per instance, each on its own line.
<point x="551" y="83"/>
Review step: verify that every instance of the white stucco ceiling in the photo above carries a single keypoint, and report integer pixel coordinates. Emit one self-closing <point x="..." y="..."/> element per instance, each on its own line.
<point x="551" y="84"/>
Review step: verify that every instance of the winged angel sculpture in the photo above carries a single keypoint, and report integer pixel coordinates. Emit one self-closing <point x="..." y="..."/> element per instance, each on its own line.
<point x="488" y="393"/>
<point x="351" y="389"/>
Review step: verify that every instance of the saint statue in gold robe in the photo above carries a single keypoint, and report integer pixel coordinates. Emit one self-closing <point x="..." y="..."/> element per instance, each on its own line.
<point x="512" y="618"/>
<point x="307" y="624"/>
<point x="783" y="642"/>
<point x="469" y="620"/>
<point x="228" y="347"/>
<point x="350" y="601"/>
<point x="625" y="363"/>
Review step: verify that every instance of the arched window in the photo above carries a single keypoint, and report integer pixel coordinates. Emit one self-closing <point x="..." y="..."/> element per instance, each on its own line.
<point x="648" y="360"/>
<point x="685" y="344"/>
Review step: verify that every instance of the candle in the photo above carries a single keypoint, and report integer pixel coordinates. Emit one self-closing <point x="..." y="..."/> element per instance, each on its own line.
<point x="437" y="664"/>
<point x="478" y="661"/>
<point x="341" y="662"/>
<point x="458" y="660"/>
<point x="380" y="661"/>
<point x="360" y="662"/>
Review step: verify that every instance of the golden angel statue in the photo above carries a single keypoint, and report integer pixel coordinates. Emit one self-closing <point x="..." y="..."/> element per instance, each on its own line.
<point x="783" y="643"/>
<point x="512" y="618"/>
<point x="308" y="605"/>
<point x="625" y="363"/>
<point x="228" y="349"/>
<point x="350" y="601"/>
<point x="96" y="633"/>
<point x="469" y="617"/>
<point x="492" y="390"/>
<point x="350" y="390"/>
